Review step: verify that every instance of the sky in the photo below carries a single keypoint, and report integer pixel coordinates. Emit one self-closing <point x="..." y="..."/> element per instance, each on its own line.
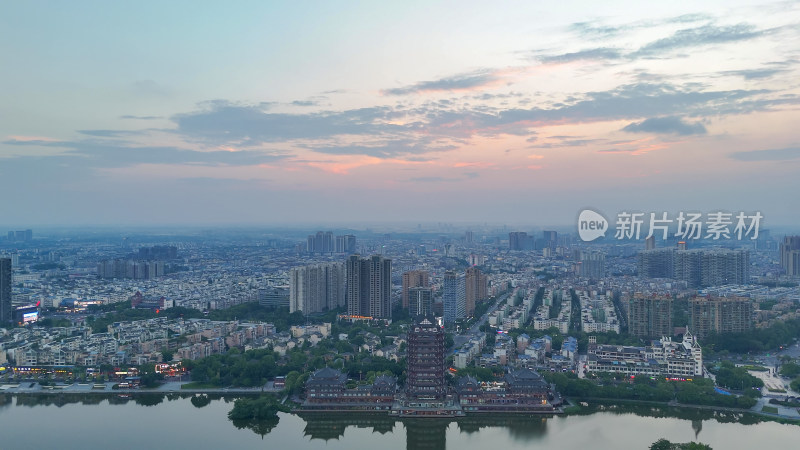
<point x="136" y="113"/>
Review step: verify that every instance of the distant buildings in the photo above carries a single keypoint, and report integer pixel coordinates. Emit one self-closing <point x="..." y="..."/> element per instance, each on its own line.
<point x="519" y="240"/>
<point x="476" y="289"/>
<point x="454" y="299"/>
<point x="412" y="279"/>
<point x="790" y="256"/>
<point x="650" y="316"/>
<point x="346" y="244"/>
<point x="369" y="286"/>
<point x="657" y="263"/>
<point x="132" y="269"/>
<point x="274" y="297"/>
<point x="420" y="301"/>
<point x="316" y="288"/>
<point x="20" y="236"/>
<point x="550" y="240"/>
<point x="650" y="243"/>
<point x="469" y="237"/>
<point x="158" y="252"/>
<point x="425" y="380"/>
<point x="698" y="268"/>
<point x="322" y="242"/>
<point x="701" y="268"/>
<point x="598" y="313"/>
<point x="720" y="315"/>
<point x="591" y="264"/>
<point x="325" y="242"/>
<point x="5" y="291"/>
<point x="139" y="301"/>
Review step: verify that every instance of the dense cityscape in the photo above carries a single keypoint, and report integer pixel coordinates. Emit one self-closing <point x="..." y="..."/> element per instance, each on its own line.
<point x="421" y="225"/>
<point x="434" y="322"/>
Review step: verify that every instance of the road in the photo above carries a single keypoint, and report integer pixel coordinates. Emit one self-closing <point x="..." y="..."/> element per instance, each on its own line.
<point x="462" y="338"/>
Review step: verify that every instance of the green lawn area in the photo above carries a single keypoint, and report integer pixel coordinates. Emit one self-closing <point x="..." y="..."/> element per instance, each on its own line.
<point x="770" y="409"/>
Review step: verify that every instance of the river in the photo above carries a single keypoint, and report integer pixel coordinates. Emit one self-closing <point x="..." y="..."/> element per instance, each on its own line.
<point x="72" y="421"/>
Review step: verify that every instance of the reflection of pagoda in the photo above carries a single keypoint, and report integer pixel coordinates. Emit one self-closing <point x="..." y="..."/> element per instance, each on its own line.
<point x="325" y="429"/>
<point x="319" y="426"/>
<point x="424" y="434"/>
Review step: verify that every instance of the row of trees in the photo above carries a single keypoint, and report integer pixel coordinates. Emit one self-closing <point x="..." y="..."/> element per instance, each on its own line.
<point x="696" y="392"/>
<point x="101" y="316"/>
<point x="757" y="340"/>
<point x="732" y="377"/>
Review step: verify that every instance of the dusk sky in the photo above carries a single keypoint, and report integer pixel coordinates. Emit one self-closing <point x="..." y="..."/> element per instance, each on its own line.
<point x="344" y="112"/>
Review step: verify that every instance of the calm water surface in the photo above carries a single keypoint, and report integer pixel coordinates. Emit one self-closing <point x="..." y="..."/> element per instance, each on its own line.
<point x="157" y="421"/>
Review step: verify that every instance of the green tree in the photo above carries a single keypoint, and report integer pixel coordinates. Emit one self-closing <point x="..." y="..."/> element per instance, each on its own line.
<point x="790" y="370"/>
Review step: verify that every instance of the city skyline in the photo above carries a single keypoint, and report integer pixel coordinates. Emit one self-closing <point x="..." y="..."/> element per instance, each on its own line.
<point x="268" y="114"/>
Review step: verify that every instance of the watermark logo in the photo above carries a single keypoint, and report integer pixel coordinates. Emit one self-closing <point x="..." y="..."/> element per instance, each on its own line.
<point x="591" y="225"/>
<point x="686" y="226"/>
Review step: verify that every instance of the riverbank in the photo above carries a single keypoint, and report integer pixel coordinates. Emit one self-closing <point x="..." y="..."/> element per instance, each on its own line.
<point x="756" y="410"/>
<point x="29" y="387"/>
<point x="25" y="388"/>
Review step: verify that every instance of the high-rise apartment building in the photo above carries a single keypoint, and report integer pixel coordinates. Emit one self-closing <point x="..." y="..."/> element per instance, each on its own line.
<point x="5" y="291"/>
<point x="425" y="363"/>
<point x="519" y="240"/>
<point x="316" y="288"/>
<point x="20" y="236"/>
<point x="322" y="242"/>
<point x="650" y="243"/>
<point x="469" y="237"/>
<point x="790" y="255"/>
<point x="369" y="286"/>
<point x="129" y="268"/>
<point x="657" y="263"/>
<point x="720" y="315"/>
<point x="476" y="289"/>
<point x="550" y="240"/>
<point x="420" y="301"/>
<point x="591" y="264"/>
<point x="703" y="268"/>
<point x="454" y="298"/>
<point x="345" y="244"/>
<point x="412" y="279"/>
<point x="650" y="316"/>
<point x="158" y="252"/>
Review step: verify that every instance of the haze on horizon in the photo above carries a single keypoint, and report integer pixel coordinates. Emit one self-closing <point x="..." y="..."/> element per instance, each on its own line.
<point x="323" y="112"/>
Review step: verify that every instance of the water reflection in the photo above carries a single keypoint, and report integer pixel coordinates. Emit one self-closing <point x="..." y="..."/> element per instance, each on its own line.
<point x="325" y="427"/>
<point x="522" y="427"/>
<point x="201" y="400"/>
<point x="426" y="433"/>
<point x="697" y="426"/>
<point x="259" y="427"/>
<point x="419" y="433"/>
<point x="696" y="416"/>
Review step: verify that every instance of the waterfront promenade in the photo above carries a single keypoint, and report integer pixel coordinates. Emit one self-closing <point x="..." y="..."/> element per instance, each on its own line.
<point x="29" y="387"/>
